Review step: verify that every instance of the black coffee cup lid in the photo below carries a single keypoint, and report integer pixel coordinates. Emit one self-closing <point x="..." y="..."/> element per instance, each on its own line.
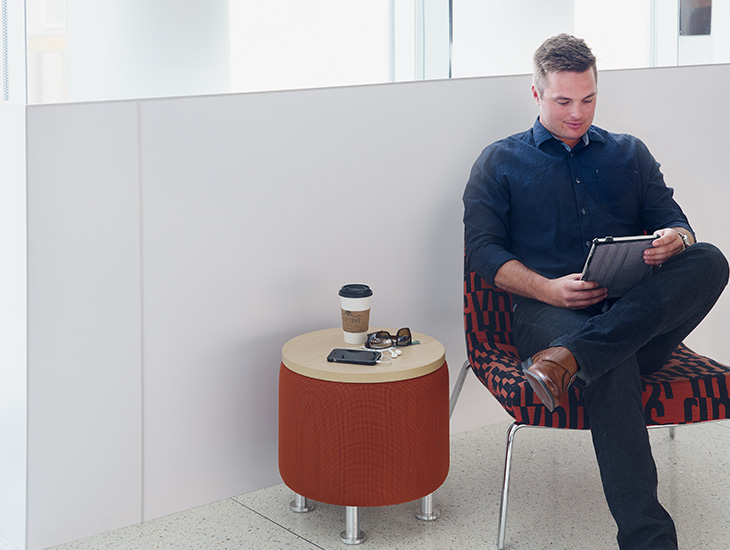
<point x="355" y="291"/>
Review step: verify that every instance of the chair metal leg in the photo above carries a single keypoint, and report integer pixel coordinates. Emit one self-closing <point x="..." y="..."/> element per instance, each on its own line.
<point x="427" y="511"/>
<point x="457" y="387"/>
<point x="508" y="468"/>
<point x="672" y="428"/>
<point x="505" y="483"/>
<point x="352" y="533"/>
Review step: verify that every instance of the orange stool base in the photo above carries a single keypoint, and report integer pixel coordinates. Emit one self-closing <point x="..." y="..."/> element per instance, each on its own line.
<point x="364" y="444"/>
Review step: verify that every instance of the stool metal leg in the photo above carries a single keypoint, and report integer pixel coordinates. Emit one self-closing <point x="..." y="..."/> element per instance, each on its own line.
<point x="427" y="511"/>
<point x="301" y="504"/>
<point x="352" y="533"/>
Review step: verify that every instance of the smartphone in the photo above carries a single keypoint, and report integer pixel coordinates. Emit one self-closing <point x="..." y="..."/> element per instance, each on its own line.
<point x="355" y="356"/>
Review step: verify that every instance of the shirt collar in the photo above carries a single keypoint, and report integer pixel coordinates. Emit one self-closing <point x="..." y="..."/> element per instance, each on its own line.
<point x="542" y="135"/>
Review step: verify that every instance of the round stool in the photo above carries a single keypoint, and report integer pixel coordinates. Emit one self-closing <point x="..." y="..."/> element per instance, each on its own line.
<point x="358" y="435"/>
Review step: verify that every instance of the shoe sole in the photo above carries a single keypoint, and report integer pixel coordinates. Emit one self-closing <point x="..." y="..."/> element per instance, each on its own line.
<point x="538" y="386"/>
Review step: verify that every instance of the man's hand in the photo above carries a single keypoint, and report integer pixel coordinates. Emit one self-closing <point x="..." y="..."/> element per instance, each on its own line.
<point x="572" y="293"/>
<point x="667" y="245"/>
<point x="568" y="291"/>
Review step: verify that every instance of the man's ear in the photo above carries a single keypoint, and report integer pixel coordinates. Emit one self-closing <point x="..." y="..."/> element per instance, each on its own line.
<point x="536" y="94"/>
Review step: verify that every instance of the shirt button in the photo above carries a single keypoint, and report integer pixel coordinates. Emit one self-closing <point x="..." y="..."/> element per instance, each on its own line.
<point x="583" y="211"/>
<point x="577" y="180"/>
<point x="588" y="243"/>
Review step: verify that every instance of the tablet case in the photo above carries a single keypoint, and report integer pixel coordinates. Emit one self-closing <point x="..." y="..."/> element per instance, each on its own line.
<point x="617" y="263"/>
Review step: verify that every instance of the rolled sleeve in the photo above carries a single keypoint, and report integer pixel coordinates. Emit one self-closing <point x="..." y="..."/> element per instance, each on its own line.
<point x="486" y="215"/>
<point x="660" y="210"/>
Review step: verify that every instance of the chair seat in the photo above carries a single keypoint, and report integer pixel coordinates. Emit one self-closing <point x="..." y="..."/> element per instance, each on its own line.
<point x="689" y="388"/>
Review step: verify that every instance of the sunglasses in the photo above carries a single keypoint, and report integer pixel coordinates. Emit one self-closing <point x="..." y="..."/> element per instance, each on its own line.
<point x="384" y="339"/>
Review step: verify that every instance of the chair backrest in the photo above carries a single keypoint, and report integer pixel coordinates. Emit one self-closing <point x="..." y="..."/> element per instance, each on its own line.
<point x="689" y="388"/>
<point x="493" y="357"/>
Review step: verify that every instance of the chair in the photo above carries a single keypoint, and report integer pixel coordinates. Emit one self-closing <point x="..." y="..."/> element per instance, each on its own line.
<point x="689" y="388"/>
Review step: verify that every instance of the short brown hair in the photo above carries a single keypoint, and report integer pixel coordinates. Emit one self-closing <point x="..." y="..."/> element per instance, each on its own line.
<point x="561" y="53"/>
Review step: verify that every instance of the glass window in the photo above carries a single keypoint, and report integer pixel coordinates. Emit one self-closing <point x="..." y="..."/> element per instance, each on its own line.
<point x="81" y="50"/>
<point x="280" y="44"/>
<point x="46" y="51"/>
<point x="493" y="37"/>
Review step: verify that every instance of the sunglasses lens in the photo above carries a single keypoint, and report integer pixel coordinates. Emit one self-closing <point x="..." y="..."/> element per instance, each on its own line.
<point x="380" y="339"/>
<point x="403" y="338"/>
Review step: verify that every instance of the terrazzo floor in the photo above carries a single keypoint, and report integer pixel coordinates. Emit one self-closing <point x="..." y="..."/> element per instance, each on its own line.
<point x="556" y="502"/>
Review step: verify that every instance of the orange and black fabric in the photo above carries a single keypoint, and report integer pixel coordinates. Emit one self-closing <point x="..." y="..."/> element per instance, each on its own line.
<point x="689" y="388"/>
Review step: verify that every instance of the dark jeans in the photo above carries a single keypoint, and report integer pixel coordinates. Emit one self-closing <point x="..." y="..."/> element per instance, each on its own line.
<point x="636" y="335"/>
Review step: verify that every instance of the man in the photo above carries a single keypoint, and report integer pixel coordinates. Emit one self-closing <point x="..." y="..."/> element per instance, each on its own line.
<point x="533" y="204"/>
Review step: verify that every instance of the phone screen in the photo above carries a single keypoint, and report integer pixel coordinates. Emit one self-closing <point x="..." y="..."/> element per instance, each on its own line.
<point x="354" y="356"/>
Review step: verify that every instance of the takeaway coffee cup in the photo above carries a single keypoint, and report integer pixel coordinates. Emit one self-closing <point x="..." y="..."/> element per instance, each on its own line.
<point x="355" y="306"/>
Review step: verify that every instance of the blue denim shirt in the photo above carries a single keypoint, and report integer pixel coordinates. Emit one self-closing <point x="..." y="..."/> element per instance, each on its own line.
<point x="532" y="199"/>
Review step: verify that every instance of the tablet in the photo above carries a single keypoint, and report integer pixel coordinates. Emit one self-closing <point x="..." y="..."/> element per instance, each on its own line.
<point x="617" y="263"/>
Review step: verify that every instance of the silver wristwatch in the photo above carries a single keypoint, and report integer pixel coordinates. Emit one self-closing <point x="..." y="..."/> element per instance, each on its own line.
<point x="685" y="240"/>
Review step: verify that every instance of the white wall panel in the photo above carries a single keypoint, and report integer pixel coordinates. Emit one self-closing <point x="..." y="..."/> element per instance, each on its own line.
<point x="84" y="376"/>
<point x="13" y="317"/>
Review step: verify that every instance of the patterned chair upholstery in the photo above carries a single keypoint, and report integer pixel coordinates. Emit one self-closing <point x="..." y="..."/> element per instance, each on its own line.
<point x="689" y="388"/>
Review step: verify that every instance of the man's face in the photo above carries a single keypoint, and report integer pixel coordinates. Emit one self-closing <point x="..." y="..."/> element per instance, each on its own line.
<point x="568" y="104"/>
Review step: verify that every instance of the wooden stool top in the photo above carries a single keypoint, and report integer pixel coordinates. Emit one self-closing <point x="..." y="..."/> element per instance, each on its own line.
<point x="307" y="355"/>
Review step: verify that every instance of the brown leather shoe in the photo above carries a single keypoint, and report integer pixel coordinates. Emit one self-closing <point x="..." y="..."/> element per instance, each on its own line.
<point x="550" y="372"/>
